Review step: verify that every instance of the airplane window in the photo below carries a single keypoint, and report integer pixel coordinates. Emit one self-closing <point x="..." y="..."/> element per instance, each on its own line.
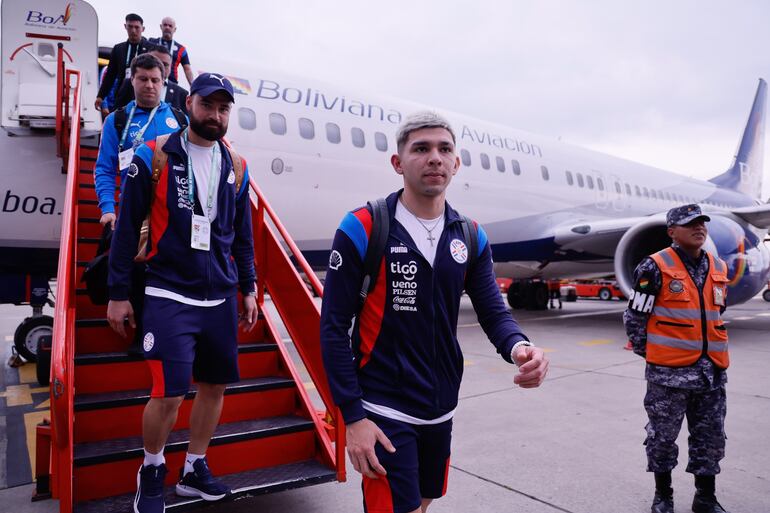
<point x="544" y="172"/>
<point x="465" y="155"/>
<point x="590" y="181"/>
<point x="277" y="124"/>
<point x="617" y="188"/>
<point x="600" y="184"/>
<point x="358" y="137"/>
<point x="500" y="164"/>
<point x="380" y="141"/>
<point x="628" y="190"/>
<point x="306" y="128"/>
<point x="247" y="118"/>
<point x="660" y="194"/>
<point x="580" y="180"/>
<point x="485" y="161"/>
<point x="646" y="192"/>
<point x="652" y="193"/>
<point x="570" y="180"/>
<point x="333" y="133"/>
<point x="638" y="192"/>
<point x="516" y="167"/>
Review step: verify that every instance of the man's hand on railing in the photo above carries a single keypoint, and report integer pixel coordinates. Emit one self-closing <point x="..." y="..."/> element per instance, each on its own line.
<point x="109" y="217"/>
<point x="117" y="314"/>
<point x="248" y="318"/>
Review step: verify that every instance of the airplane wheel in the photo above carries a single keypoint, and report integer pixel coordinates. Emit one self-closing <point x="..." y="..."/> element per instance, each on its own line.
<point x="29" y="333"/>
<point x="766" y="295"/>
<point x="605" y="294"/>
<point x="538" y="299"/>
<point x="43" y="364"/>
<point x="514" y="296"/>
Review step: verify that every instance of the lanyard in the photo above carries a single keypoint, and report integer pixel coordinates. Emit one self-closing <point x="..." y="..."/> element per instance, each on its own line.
<point x="128" y="53"/>
<point x="213" y="179"/>
<point x="138" y="136"/>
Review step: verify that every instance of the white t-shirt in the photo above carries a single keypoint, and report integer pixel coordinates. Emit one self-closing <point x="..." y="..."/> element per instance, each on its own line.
<point x="419" y="233"/>
<point x="201" y="160"/>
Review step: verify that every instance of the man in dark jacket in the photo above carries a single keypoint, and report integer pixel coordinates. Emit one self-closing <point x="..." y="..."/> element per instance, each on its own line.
<point x="175" y="94"/>
<point x="200" y="253"/>
<point x="396" y="379"/>
<point x="120" y="59"/>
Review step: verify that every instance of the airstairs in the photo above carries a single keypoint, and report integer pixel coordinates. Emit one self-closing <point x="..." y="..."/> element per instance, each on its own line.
<point x="272" y="435"/>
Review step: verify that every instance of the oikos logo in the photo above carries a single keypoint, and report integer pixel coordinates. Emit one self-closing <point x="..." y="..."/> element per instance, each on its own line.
<point x="407" y="271"/>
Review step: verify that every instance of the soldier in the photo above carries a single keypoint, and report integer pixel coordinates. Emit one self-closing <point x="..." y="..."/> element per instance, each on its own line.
<point x="674" y="320"/>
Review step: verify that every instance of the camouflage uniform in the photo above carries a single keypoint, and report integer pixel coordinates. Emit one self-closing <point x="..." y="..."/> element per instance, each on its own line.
<point x="697" y="391"/>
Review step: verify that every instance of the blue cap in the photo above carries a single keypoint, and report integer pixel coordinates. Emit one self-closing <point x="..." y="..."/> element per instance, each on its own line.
<point x="685" y="214"/>
<point x="207" y="84"/>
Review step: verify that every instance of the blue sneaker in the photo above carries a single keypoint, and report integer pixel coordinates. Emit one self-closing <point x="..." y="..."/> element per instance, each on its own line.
<point x="200" y="483"/>
<point x="149" y="489"/>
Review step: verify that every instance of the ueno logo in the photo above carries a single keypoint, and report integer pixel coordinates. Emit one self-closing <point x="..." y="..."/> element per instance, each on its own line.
<point x="407" y="270"/>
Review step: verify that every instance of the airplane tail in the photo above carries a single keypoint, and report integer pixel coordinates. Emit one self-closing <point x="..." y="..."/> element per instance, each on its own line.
<point x="745" y="173"/>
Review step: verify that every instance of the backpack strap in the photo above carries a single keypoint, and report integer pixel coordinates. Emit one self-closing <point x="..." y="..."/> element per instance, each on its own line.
<point x="120" y="121"/>
<point x="159" y="160"/>
<point x="375" y="248"/>
<point x="179" y="115"/>
<point x="237" y="168"/>
<point x="471" y="236"/>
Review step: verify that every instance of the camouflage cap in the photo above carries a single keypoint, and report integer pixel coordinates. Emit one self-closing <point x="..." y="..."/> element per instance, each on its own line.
<point x="680" y="216"/>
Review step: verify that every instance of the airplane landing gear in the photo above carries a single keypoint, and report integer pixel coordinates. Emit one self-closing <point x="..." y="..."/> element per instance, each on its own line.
<point x="29" y="333"/>
<point x="528" y="294"/>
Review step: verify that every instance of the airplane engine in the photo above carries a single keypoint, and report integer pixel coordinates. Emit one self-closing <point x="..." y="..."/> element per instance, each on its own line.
<point x="747" y="258"/>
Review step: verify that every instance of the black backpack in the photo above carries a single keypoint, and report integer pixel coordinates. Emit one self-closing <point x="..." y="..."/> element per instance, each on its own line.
<point x="378" y="239"/>
<point x="96" y="271"/>
<point x="121" y="117"/>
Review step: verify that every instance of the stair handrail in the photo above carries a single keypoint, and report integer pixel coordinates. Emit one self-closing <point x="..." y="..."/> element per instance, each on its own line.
<point x="62" y="350"/>
<point x="306" y="341"/>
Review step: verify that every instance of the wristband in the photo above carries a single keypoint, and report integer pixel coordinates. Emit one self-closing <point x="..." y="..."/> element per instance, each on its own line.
<point x="518" y="344"/>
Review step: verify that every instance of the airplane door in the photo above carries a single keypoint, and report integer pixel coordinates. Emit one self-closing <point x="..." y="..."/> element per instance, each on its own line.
<point x="31" y="33"/>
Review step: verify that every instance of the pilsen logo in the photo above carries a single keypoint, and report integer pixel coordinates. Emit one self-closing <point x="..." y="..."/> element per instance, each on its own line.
<point x="40" y="17"/>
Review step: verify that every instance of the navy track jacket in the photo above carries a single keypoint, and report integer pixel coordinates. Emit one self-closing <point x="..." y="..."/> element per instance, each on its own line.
<point x="172" y="264"/>
<point x="404" y="352"/>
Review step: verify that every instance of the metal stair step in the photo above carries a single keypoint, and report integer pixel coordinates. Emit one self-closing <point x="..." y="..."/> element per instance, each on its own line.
<point x="87" y="402"/>
<point x="105" y="451"/>
<point x="244" y="484"/>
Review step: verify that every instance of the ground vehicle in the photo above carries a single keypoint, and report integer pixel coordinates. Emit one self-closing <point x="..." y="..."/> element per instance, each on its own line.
<point x="605" y="290"/>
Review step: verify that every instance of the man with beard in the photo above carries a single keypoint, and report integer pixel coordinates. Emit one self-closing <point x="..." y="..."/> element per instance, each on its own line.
<point x="200" y="252"/>
<point x="396" y="378"/>
<point x="674" y="320"/>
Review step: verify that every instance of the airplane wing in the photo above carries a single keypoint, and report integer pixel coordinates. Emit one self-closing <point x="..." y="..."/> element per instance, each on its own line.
<point x="758" y="215"/>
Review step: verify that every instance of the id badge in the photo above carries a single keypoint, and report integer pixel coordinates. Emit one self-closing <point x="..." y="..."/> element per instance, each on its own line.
<point x="719" y="295"/>
<point x="200" y="233"/>
<point x="124" y="158"/>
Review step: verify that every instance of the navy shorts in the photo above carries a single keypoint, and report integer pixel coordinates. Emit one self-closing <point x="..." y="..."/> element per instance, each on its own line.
<point x="417" y="470"/>
<point x="183" y="341"/>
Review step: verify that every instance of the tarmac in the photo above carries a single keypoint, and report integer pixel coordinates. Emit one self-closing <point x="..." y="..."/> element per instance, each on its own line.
<point x="573" y="445"/>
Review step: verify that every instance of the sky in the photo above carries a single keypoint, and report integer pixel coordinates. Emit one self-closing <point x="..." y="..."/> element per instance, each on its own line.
<point x="668" y="84"/>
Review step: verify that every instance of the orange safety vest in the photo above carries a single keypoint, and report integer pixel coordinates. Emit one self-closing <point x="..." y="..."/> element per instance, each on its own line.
<point x="686" y="323"/>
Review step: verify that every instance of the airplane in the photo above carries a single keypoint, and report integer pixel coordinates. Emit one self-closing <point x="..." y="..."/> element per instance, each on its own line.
<point x="550" y="209"/>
